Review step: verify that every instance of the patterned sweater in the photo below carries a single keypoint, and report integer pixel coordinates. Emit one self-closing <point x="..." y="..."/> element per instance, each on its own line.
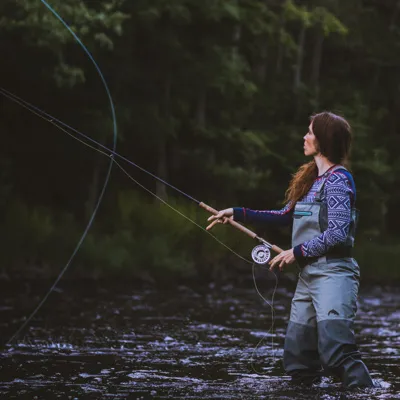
<point x="339" y="193"/>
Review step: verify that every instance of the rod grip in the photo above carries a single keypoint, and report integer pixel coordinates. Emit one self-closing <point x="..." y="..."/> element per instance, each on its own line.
<point x="233" y="223"/>
<point x="276" y="249"/>
<point x="242" y="228"/>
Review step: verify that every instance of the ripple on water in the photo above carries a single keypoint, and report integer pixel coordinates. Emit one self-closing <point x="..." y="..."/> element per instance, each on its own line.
<point x="182" y="344"/>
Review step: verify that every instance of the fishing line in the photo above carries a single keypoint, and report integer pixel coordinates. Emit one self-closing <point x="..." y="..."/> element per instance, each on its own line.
<point x="271" y="329"/>
<point x="54" y="121"/>
<point x="69" y="261"/>
<point x="260" y="253"/>
<point x="105" y="184"/>
<point x="271" y="305"/>
<point x="50" y="118"/>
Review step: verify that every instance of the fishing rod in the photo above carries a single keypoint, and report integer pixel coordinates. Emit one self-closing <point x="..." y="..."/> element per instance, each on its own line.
<point x="260" y="254"/>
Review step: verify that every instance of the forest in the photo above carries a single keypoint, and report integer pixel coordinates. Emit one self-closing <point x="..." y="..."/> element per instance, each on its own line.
<point x="212" y="96"/>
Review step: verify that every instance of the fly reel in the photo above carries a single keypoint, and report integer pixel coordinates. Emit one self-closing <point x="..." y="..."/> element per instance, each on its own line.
<point x="261" y="254"/>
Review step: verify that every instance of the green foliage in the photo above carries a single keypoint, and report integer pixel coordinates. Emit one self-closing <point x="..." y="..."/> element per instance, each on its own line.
<point x="214" y="96"/>
<point x="143" y="240"/>
<point x="149" y="241"/>
<point x="68" y="76"/>
<point x="30" y="231"/>
<point x="41" y="29"/>
<point x="375" y="258"/>
<point x="329" y="22"/>
<point x="294" y="12"/>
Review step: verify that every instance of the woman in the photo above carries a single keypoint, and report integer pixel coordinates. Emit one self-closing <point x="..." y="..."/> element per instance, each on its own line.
<point x="320" y="206"/>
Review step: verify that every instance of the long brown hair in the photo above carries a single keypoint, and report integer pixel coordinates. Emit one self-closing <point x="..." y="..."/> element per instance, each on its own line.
<point x="333" y="140"/>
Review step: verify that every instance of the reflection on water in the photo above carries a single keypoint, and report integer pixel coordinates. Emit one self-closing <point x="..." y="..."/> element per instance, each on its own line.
<point x="107" y="340"/>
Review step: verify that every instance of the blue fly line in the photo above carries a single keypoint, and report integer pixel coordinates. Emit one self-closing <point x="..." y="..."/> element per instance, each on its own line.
<point x="111" y="153"/>
<point x="100" y="198"/>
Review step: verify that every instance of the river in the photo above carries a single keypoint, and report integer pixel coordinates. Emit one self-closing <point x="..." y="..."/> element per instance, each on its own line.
<point x="115" y="340"/>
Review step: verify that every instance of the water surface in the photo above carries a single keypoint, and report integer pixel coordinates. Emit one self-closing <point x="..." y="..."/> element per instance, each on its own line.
<point x="96" y="340"/>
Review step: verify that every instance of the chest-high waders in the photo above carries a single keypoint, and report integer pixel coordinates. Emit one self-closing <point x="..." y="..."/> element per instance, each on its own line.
<point x="320" y="331"/>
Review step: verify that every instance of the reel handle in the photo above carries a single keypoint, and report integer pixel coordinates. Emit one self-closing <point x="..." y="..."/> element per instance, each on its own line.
<point x="242" y="228"/>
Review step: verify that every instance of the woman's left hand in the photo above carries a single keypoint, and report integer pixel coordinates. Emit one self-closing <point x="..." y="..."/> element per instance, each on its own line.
<point x="282" y="259"/>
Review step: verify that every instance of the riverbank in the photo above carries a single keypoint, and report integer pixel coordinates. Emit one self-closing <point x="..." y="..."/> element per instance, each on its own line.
<point x="374" y="269"/>
<point x="155" y="245"/>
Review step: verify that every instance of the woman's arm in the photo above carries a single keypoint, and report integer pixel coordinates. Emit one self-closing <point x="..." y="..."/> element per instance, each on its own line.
<point x="281" y="217"/>
<point x="339" y="196"/>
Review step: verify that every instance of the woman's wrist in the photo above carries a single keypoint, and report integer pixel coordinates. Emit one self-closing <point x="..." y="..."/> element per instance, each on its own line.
<point x="239" y="214"/>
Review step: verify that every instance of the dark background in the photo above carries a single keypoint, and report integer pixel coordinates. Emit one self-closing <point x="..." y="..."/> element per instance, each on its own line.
<point x="213" y="96"/>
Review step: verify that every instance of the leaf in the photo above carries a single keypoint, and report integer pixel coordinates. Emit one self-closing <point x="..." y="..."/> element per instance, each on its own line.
<point x="232" y="9"/>
<point x="104" y="40"/>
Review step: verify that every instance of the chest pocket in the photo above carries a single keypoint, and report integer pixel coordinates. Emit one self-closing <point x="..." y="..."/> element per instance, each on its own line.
<point x="307" y="221"/>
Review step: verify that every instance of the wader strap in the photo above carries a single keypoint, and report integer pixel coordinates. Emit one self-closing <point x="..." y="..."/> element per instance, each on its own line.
<point x="318" y="194"/>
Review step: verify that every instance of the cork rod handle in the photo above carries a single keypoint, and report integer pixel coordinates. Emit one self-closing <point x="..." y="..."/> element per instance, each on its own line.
<point x="241" y="228"/>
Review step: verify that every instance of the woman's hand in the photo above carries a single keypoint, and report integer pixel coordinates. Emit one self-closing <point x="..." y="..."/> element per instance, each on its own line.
<point x="220" y="218"/>
<point x="282" y="259"/>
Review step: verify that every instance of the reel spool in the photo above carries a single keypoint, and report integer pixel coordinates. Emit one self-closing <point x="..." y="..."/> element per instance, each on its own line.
<point x="261" y="254"/>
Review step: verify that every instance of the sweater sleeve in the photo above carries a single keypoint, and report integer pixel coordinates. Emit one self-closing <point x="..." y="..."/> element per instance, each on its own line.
<point x="339" y="196"/>
<point x="281" y="217"/>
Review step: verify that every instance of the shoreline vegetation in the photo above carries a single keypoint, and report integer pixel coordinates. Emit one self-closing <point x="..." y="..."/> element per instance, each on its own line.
<point x="149" y="242"/>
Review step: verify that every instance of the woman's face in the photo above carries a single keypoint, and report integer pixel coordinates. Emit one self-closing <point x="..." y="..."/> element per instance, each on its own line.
<point x="310" y="143"/>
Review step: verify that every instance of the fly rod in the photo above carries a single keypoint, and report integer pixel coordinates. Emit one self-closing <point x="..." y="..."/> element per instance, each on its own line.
<point x="261" y="254"/>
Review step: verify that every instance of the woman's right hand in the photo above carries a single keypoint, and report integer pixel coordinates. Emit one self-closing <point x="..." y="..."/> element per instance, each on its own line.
<point x="220" y="218"/>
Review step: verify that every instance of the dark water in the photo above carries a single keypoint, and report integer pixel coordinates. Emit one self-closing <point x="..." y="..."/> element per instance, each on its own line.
<point x="94" y="340"/>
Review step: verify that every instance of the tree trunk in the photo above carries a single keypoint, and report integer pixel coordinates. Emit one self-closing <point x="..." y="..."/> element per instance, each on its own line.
<point x="237" y="34"/>
<point x="93" y="190"/>
<point x="162" y="165"/>
<point x="201" y="108"/>
<point x="299" y="59"/>
<point x="316" y="65"/>
<point x="395" y="14"/>
<point x="162" y="169"/>
<point x="298" y="73"/>
<point x="279" y="57"/>
<point x="383" y="212"/>
<point x="374" y="85"/>
<point x="260" y="69"/>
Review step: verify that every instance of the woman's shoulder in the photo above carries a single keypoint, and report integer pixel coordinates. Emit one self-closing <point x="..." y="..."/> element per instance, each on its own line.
<point x="339" y="174"/>
<point x="341" y="177"/>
